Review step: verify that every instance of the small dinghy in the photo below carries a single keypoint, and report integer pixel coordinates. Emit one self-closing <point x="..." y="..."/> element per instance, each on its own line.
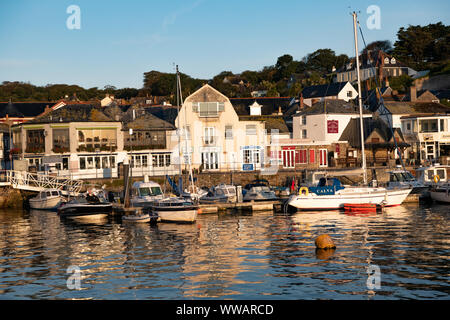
<point x="141" y="217"/>
<point x="362" y="207"/>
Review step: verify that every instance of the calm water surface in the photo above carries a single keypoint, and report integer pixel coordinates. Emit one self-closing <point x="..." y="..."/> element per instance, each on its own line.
<point x="229" y="256"/>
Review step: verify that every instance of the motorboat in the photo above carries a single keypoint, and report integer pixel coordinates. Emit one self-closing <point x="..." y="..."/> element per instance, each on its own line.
<point x="222" y="193"/>
<point x="145" y="193"/>
<point x="441" y="193"/>
<point x="433" y="175"/>
<point x="330" y="194"/>
<point x="174" y="209"/>
<point x="400" y="178"/>
<point x="91" y="204"/>
<point x="49" y="199"/>
<point x="258" y="190"/>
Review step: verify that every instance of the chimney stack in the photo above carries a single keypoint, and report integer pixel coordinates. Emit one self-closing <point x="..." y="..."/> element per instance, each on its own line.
<point x="412" y="93"/>
<point x="301" y="102"/>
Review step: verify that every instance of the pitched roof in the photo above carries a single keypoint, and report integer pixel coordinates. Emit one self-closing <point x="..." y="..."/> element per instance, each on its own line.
<point x="269" y="105"/>
<point x="271" y="122"/>
<point x="408" y="107"/>
<point x="334" y="106"/>
<point x="323" y="90"/>
<point x="74" y="113"/>
<point x="352" y="133"/>
<point x="23" y="109"/>
<point x="166" y="113"/>
<point x="145" y="121"/>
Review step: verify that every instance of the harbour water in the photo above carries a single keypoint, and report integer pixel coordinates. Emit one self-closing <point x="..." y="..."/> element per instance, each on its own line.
<point x="263" y="255"/>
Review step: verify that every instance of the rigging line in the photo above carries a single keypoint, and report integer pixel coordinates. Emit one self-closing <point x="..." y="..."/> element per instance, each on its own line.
<point x="381" y="102"/>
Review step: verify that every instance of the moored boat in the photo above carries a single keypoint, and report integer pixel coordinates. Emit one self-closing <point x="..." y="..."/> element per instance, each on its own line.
<point x="329" y="194"/>
<point x="49" y="199"/>
<point x="175" y="209"/>
<point x="83" y="206"/>
<point x="441" y="193"/>
<point x="145" y="193"/>
<point x="258" y="190"/>
<point x="222" y="193"/>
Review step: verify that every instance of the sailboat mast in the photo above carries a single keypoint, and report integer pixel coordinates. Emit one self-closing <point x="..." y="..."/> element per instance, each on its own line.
<point x="179" y="134"/>
<point x="364" y="166"/>
<point x="191" y="178"/>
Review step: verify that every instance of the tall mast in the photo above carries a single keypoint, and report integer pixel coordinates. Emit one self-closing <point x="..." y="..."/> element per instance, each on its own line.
<point x="179" y="136"/>
<point x="360" y="101"/>
<point x="180" y="99"/>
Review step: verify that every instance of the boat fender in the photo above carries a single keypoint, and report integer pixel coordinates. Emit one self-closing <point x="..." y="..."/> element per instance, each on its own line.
<point x="303" y="191"/>
<point x="436" y="178"/>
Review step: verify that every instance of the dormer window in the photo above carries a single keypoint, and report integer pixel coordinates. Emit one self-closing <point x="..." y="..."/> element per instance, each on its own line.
<point x="255" y="109"/>
<point x="386" y="60"/>
<point x="208" y="109"/>
<point x="393" y="61"/>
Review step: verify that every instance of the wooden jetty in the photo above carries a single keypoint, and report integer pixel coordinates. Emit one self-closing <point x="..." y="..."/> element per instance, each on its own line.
<point x="241" y="206"/>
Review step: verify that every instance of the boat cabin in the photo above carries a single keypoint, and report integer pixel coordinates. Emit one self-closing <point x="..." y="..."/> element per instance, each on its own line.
<point x="428" y="175"/>
<point x="327" y="186"/>
<point x="146" y="189"/>
<point x="49" y="193"/>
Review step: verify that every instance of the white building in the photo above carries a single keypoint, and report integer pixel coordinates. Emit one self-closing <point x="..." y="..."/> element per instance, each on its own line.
<point x="332" y="91"/>
<point x="325" y="121"/>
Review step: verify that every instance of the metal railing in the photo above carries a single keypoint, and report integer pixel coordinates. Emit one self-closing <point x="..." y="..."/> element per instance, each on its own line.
<point x="38" y="182"/>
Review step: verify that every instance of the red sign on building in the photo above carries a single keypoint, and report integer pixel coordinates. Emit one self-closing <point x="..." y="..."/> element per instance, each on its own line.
<point x="332" y="126"/>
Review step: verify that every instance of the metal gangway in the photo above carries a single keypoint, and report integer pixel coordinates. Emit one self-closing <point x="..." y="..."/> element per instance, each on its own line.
<point x="28" y="181"/>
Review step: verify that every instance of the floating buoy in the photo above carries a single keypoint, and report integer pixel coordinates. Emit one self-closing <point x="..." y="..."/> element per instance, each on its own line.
<point x="324" y="241"/>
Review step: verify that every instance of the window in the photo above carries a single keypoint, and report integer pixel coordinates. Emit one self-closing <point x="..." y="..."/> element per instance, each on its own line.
<point x="304" y="134"/>
<point x="228" y="132"/>
<point x="408" y="126"/>
<point x="161" y="160"/>
<point x="312" y="154"/>
<point x="61" y="140"/>
<point x="82" y="163"/>
<point x="209" y="135"/>
<point x="250" y="129"/>
<point x="90" y="163"/>
<point x="441" y="125"/>
<point x="301" y="157"/>
<point x="208" y="109"/>
<point x="304" y="120"/>
<point x="112" y="161"/>
<point x="210" y="160"/>
<point x="349" y="94"/>
<point x="251" y="156"/>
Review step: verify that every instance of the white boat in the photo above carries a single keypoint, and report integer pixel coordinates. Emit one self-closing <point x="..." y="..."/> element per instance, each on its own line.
<point x="400" y="178"/>
<point x="331" y="195"/>
<point x="258" y="190"/>
<point x="441" y="193"/>
<point x="145" y="193"/>
<point x="136" y="218"/>
<point x="49" y="199"/>
<point x="436" y="174"/>
<point x="221" y="193"/>
<point x="175" y="209"/>
<point x="182" y="208"/>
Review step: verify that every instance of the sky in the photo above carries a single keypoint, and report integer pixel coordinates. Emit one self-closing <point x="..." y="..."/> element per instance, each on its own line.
<point x="117" y="41"/>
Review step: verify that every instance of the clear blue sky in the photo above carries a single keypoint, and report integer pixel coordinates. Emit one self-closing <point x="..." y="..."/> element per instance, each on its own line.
<point x="119" y="40"/>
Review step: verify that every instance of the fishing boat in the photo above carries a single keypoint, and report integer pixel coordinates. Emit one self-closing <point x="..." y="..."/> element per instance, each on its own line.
<point x="330" y="194"/>
<point x="222" y="193"/>
<point x="90" y="205"/>
<point x="49" y="199"/>
<point x="441" y="193"/>
<point x="145" y="193"/>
